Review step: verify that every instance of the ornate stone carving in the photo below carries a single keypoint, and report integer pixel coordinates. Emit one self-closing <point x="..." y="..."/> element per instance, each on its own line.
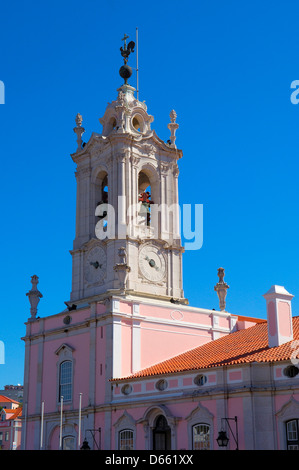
<point x="164" y="167"/>
<point x="34" y="296"/>
<point x="79" y="130"/>
<point x="122" y="269"/>
<point x="221" y="289"/>
<point x="135" y="160"/>
<point x="176" y="171"/>
<point x="173" y="126"/>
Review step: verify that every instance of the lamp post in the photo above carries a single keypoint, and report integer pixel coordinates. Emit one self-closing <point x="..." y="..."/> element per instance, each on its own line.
<point x="223" y="439"/>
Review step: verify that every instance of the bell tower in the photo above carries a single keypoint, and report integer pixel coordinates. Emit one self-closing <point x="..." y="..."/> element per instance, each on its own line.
<point x="127" y="237"/>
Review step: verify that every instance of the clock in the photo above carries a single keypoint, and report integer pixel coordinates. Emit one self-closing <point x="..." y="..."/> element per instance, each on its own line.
<point x="95" y="264"/>
<point x="152" y="263"/>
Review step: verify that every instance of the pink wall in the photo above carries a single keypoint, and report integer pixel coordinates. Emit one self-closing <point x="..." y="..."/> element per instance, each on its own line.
<point x="80" y="344"/>
<point x="284" y="319"/>
<point x="100" y="369"/>
<point x="176" y="314"/>
<point x="126" y="348"/>
<point x="162" y="342"/>
<point x="32" y="378"/>
<point x="235" y="408"/>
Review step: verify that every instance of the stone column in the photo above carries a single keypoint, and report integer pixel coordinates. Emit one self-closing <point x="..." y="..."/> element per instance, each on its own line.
<point x="176" y="214"/>
<point x="122" y="223"/>
<point x="134" y="193"/>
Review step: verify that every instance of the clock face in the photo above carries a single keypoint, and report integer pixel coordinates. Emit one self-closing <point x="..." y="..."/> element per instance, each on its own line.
<point x="152" y="263"/>
<point x="95" y="264"/>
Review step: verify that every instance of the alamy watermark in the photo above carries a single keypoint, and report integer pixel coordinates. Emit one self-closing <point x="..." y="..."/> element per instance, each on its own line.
<point x="2" y="93"/>
<point x="294" y="356"/>
<point x="294" y="95"/>
<point x="154" y="221"/>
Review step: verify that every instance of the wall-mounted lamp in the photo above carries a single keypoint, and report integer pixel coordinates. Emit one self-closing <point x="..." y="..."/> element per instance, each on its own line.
<point x="85" y="445"/>
<point x="223" y="439"/>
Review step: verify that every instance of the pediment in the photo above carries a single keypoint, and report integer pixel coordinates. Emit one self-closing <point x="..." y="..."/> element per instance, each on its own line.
<point x="90" y="244"/>
<point x="289" y="409"/>
<point x="65" y="349"/>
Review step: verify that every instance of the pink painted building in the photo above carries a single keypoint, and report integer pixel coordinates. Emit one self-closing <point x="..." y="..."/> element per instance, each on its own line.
<point x="129" y="364"/>
<point x="10" y="423"/>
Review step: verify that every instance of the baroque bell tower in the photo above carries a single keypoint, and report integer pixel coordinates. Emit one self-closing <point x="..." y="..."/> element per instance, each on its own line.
<point x="127" y="238"/>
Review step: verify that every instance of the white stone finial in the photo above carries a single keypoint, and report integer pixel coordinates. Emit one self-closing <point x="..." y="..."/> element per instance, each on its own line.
<point x="79" y="130"/>
<point x="173" y="126"/>
<point x="173" y="116"/>
<point x="34" y="296"/>
<point x="79" y="120"/>
<point x="221" y="289"/>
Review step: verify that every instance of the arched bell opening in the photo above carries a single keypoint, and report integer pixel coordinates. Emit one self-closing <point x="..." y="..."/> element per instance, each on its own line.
<point x="109" y="124"/>
<point x="101" y="200"/>
<point x="147" y="195"/>
<point x="138" y="123"/>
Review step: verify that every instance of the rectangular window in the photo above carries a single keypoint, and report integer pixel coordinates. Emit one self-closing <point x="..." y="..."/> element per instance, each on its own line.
<point x="126" y="440"/>
<point x="201" y="437"/>
<point x="292" y="431"/>
<point x="292" y="434"/>
<point x="6" y="435"/>
<point x="65" y="383"/>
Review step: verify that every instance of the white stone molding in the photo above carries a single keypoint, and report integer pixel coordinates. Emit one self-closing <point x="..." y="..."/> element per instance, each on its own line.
<point x="125" y="422"/>
<point x="200" y="415"/>
<point x="149" y="421"/>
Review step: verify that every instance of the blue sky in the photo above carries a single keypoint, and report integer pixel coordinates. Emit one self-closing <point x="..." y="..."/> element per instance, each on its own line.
<point x="225" y="67"/>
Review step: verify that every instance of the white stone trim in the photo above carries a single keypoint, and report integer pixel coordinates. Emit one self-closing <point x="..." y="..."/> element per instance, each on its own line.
<point x="117" y="356"/>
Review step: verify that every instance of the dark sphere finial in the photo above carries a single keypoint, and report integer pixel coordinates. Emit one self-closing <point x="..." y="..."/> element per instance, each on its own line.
<point x="125" y="71"/>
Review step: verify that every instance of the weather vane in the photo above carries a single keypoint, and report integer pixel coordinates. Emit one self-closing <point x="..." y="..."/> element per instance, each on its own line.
<point x="125" y="71"/>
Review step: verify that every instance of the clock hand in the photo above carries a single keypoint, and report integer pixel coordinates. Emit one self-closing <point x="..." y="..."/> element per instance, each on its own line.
<point x="96" y="264"/>
<point x="152" y="263"/>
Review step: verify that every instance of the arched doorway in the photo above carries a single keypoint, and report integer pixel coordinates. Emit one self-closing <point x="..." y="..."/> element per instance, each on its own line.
<point x="161" y="434"/>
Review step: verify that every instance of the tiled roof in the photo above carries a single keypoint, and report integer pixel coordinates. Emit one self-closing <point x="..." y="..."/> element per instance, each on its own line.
<point x="17" y="413"/>
<point x="244" y="346"/>
<point x="13" y="413"/>
<point x="5" y="399"/>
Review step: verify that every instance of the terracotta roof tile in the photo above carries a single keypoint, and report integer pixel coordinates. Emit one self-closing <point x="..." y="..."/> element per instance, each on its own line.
<point x="244" y="346"/>
<point x="5" y="399"/>
<point x="13" y="413"/>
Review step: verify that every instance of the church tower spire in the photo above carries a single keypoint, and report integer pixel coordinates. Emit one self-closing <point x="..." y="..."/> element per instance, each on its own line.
<point x="127" y="203"/>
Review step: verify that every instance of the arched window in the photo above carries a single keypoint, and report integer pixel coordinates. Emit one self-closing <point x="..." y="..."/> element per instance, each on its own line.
<point x="292" y="434"/>
<point x="201" y="437"/>
<point x="126" y="439"/>
<point x="68" y="443"/>
<point x="65" y="380"/>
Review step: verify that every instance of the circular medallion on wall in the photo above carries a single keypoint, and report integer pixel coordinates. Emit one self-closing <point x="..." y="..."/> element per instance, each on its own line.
<point x="95" y="264"/>
<point x="152" y="263"/>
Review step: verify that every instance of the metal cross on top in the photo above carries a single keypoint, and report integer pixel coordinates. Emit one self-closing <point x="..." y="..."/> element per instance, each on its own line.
<point x="126" y="50"/>
<point x="125" y="38"/>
